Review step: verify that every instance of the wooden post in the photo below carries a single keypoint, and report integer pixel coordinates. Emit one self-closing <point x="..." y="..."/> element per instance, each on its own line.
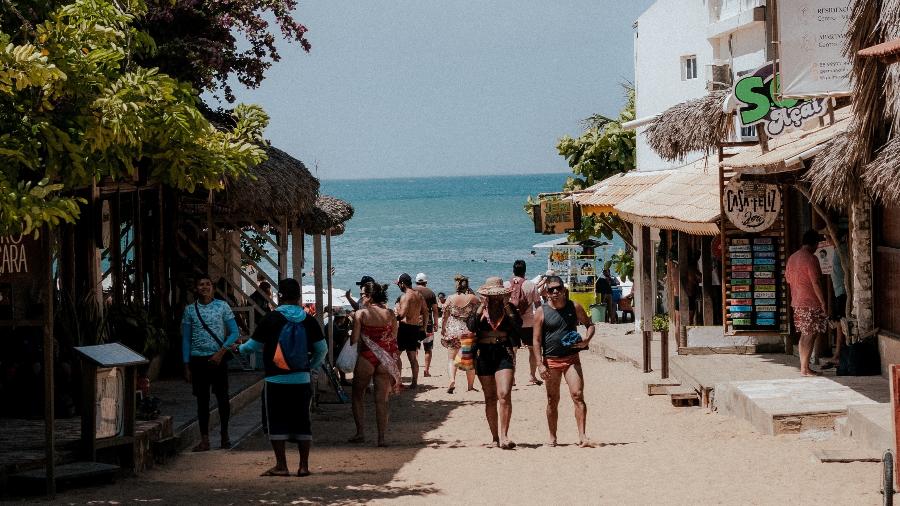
<point x="671" y="283"/>
<point x="664" y="354"/>
<point x="317" y="277"/>
<point x="330" y="301"/>
<point x="49" y="412"/>
<point x="297" y="254"/>
<point x="684" y="312"/>
<point x="137" y="227"/>
<point x="647" y="294"/>
<point x="706" y="273"/>
<point x="283" y="249"/>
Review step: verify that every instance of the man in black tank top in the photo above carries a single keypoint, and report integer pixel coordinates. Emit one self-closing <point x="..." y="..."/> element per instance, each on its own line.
<point x="556" y="347"/>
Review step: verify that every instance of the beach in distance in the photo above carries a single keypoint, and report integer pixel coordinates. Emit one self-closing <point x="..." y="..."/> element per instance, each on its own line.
<point x="472" y="225"/>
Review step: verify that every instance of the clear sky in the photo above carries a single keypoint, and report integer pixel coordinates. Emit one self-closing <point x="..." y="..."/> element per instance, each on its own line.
<point x="453" y="87"/>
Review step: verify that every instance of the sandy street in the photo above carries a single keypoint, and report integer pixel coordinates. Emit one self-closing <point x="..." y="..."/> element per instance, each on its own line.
<point x="651" y="453"/>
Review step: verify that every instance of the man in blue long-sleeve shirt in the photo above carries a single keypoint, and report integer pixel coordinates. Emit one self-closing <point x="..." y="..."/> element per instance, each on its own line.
<point x="287" y="394"/>
<point x="208" y="329"/>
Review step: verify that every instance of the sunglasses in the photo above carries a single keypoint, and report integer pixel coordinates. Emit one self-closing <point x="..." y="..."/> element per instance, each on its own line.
<point x="555" y="289"/>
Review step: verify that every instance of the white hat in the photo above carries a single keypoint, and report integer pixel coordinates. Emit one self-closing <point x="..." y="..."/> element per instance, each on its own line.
<point x="421" y="278"/>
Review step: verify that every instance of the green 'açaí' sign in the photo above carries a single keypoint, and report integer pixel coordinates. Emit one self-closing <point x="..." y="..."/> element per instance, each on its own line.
<point x="755" y="97"/>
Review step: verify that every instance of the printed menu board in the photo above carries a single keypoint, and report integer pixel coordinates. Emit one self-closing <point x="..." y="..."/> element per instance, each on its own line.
<point x="755" y="283"/>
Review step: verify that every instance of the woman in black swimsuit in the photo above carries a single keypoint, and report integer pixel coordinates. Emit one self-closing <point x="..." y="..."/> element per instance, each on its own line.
<point x="496" y="330"/>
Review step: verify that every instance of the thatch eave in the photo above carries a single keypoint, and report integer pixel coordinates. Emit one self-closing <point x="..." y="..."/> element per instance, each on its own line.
<point x="881" y="176"/>
<point x="327" y="214"/>
<point x="696" y="125"/>
<point x="279" y="188"/>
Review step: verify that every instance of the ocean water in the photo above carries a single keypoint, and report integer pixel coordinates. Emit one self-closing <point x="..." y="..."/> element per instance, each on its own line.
<point x="440" y="226"/>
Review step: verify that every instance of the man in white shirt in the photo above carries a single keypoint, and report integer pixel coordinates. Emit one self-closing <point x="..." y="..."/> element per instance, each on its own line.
<point x="524" y="296"/>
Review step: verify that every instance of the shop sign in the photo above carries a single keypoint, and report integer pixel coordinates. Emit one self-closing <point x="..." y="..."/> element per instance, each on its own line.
<point x="812" y="35"/>
<point x="752" y="206"/>
<point x="556" y="216"/>
<point x="754" y="96"/>
<point x="15" y="253"/>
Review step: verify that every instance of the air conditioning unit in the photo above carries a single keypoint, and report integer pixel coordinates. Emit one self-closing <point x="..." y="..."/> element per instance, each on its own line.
<point x="718" y="77"/>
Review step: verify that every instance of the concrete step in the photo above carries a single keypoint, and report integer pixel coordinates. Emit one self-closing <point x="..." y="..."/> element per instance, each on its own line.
<point x="785" y="406"/>
<point x="841" y="426"/>
<point x="871" y="425"/>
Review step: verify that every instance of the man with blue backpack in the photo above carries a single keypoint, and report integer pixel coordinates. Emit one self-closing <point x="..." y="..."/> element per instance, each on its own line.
<point x="292" y="345"/>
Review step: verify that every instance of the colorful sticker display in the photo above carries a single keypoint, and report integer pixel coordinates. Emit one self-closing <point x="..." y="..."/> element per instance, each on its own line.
<point x="753" y="302"/>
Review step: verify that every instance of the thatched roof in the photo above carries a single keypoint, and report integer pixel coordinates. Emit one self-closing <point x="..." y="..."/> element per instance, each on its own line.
<point x="831" y="183"/>
<point x="601" y="197"/>
<point x="281" y="187"/>
<point x="696" y="125"/>
<point x="328" y="213"/>
<point x="838" y="174"/>
<point x="687" y="200"/>
<point x="882" y="176"/>
<point x="788" y="152"/>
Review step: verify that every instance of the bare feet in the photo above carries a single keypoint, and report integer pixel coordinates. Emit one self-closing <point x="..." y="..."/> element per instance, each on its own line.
<point x="450" y="389"/>
<point x="276" y="471"/>
<point x="507" y="445"/>
<point x="473" y="389"/>
<point x="810" y="373"/>
<point x="427" y="374"/>
<point x="359" y="438"/>
<point x="551" y="443"/>
<point x="202" y="446"/>
<point x="586" y="443"/>
<point x="535" y="381"/>
<point x="493" y="444"/>
<point x="303" y="472"/>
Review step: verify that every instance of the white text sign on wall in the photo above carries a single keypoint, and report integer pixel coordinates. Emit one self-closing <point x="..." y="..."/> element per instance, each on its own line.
<point x="812" y="35"/>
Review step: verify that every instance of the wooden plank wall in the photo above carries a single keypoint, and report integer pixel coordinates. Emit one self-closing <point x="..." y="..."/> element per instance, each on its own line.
<point x="887" y="269"/>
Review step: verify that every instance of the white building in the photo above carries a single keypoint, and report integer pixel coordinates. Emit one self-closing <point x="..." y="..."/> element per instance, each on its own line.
<point x="681" y="47"/>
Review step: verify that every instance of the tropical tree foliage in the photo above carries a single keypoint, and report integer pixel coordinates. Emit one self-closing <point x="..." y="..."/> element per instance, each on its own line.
<point x="206" y="42"/>
<point x="603" y="150"/>
<point x="75" y="108"/>
<point x="202" y="42"/>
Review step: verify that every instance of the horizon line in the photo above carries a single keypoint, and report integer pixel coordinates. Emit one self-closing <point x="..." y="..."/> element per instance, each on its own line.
<point x="440" y="176"/>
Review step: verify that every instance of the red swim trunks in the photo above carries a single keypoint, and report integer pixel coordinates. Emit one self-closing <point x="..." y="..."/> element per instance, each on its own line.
<point x="563" y="363"/>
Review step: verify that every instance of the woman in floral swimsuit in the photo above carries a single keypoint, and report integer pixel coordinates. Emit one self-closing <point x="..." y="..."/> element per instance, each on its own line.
<point x="455" y="324"/>
<point x="375" y="334"/>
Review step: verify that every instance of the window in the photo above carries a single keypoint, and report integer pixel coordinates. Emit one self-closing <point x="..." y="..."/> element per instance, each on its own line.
<point x="688" y="67"/>
<point x="748" y="132"/>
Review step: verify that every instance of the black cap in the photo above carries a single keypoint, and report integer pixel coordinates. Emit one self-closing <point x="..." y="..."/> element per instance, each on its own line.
<point x="365" y="279"/>
<point x="289" y="288"/>
<point x="405" y="278"/>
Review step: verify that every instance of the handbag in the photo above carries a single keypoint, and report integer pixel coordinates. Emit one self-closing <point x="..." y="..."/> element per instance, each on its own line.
<point x="346" y="360"/>
<point x="228" y="355"/>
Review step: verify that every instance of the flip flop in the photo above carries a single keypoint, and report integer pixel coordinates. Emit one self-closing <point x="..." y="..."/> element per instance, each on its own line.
<point x="276" y="472"/>
<point x="536" y="382"/>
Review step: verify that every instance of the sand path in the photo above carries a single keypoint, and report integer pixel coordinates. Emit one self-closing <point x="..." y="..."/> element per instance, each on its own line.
<point x="651" y="453"/>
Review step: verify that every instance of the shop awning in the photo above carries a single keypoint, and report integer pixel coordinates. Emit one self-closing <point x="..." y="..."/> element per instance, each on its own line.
<point x="788" y="152"/>
<point x="686" y="200"/>
<point x="603" y="196"/>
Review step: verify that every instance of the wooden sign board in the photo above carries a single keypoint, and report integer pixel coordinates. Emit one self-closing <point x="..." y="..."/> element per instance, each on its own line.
<point x="556" y="216"/>
<point x="751" y="206"/>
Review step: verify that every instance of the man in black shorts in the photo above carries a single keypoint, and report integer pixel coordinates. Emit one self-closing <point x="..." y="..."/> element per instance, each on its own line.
<point x="431" y="303"/>
<point x="412" y="314"/>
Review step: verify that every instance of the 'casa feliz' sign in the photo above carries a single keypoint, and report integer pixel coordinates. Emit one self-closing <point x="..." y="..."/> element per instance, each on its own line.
<point x="755" y="96"/>
<point x="750" y="205"/>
